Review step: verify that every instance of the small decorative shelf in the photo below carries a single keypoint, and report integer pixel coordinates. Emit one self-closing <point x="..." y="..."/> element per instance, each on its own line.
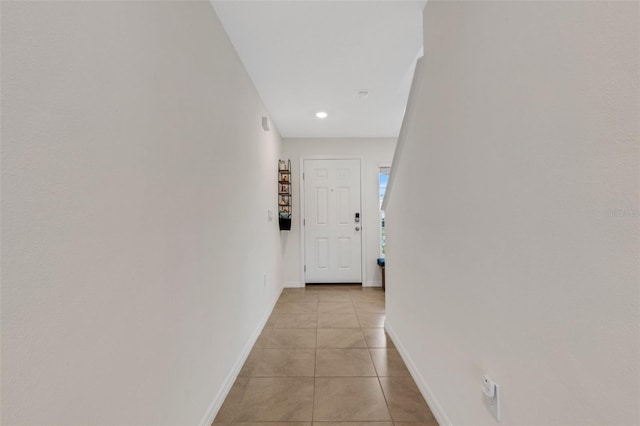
<point x="284" y="194"/>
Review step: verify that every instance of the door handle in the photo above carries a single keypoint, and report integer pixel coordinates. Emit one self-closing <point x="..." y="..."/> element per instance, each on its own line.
<point x="357" y="228"/>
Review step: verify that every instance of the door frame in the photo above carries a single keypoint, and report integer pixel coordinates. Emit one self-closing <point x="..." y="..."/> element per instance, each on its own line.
<point x="363" y="214"/>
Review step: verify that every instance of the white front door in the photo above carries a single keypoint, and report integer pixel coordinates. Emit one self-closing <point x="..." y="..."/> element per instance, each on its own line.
<point x="333" y="222"/>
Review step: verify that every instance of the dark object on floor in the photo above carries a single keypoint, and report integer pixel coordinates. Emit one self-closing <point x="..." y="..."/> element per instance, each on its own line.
<point x="381" y="264"/>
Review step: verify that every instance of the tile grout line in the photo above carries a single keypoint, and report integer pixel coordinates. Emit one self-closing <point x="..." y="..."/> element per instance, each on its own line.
<point x="377" y="374"/>
<point x="315" y="361"/>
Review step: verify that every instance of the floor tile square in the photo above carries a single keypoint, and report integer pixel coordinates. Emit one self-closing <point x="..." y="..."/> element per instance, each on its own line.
<point x="367" y="296"/>
<point x="230" y="408"/>
<point x="353" y="398"/>
<point x="405" y="400"/>
<point x="341" y="338"/>
<point x="292" y="321"/>
<point x="287" y="338"/>
<point x="336" y="308"/>
<point x="279" y="363"/>
<point x="298" y="290"/>
<point x="367" y="292"/>
<point x="388" y="362"/>
<point x="305" y="297"/>
<point x="334" y="287"/>
<point x="338" y="321"/>
<point x="369" y="307"/>
<point x="277" y="399"/>
<point x="334" y="296"/>
<point x="295" y="308"/>
<point x="273" y="424"/>
<point x="354" y="424"/>
<point x="377" y="338"/>
<point x="343" y="363"/>
<point x="371" y="320"/>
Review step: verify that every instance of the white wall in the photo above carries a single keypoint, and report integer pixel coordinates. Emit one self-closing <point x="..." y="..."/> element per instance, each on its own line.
<point x="506" y="254"/>
<point x="136" y="180"/>
<point x="373" y="151"/>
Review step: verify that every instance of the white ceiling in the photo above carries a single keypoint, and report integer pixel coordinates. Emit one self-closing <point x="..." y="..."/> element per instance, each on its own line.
<point x="310" y="56"/>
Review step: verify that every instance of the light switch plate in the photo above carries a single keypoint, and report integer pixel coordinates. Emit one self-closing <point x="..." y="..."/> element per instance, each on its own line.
<point x="491" y="392"/>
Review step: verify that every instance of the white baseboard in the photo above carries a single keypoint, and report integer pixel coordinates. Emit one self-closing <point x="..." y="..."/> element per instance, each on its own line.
<point x="425" y="390"/>
<point x="372" y="284"/>
<point x="213" y="409"/>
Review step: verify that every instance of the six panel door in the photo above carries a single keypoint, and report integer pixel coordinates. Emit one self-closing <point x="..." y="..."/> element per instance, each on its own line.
<point x="333" y="238"/>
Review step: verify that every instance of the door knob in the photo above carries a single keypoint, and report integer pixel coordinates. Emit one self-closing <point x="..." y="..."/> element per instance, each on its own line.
<point x="357" y="228"/>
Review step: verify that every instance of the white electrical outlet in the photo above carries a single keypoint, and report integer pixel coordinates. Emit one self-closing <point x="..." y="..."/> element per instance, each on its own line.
<point x="491" y="391"/>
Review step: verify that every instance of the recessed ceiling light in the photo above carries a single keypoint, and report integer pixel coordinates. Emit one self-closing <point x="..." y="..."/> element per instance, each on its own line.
<point x="322" y="114"/>
<point x="362" y="94"/>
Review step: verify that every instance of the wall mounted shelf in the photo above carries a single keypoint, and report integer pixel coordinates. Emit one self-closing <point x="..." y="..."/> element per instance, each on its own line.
<point x="284" y="195"/>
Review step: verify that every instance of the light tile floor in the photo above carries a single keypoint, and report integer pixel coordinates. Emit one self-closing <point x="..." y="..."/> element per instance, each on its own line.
<point x="324" y="357"/>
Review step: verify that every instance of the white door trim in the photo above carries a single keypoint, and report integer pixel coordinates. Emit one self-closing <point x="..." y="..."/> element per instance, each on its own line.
<point x="363" y="213"/>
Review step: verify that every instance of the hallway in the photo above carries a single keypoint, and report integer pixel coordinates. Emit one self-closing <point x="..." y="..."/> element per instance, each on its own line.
<point x="324" y="356"/>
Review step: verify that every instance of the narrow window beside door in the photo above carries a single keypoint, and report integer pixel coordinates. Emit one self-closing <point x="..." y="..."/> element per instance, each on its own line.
<point x="384" y="178"/>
